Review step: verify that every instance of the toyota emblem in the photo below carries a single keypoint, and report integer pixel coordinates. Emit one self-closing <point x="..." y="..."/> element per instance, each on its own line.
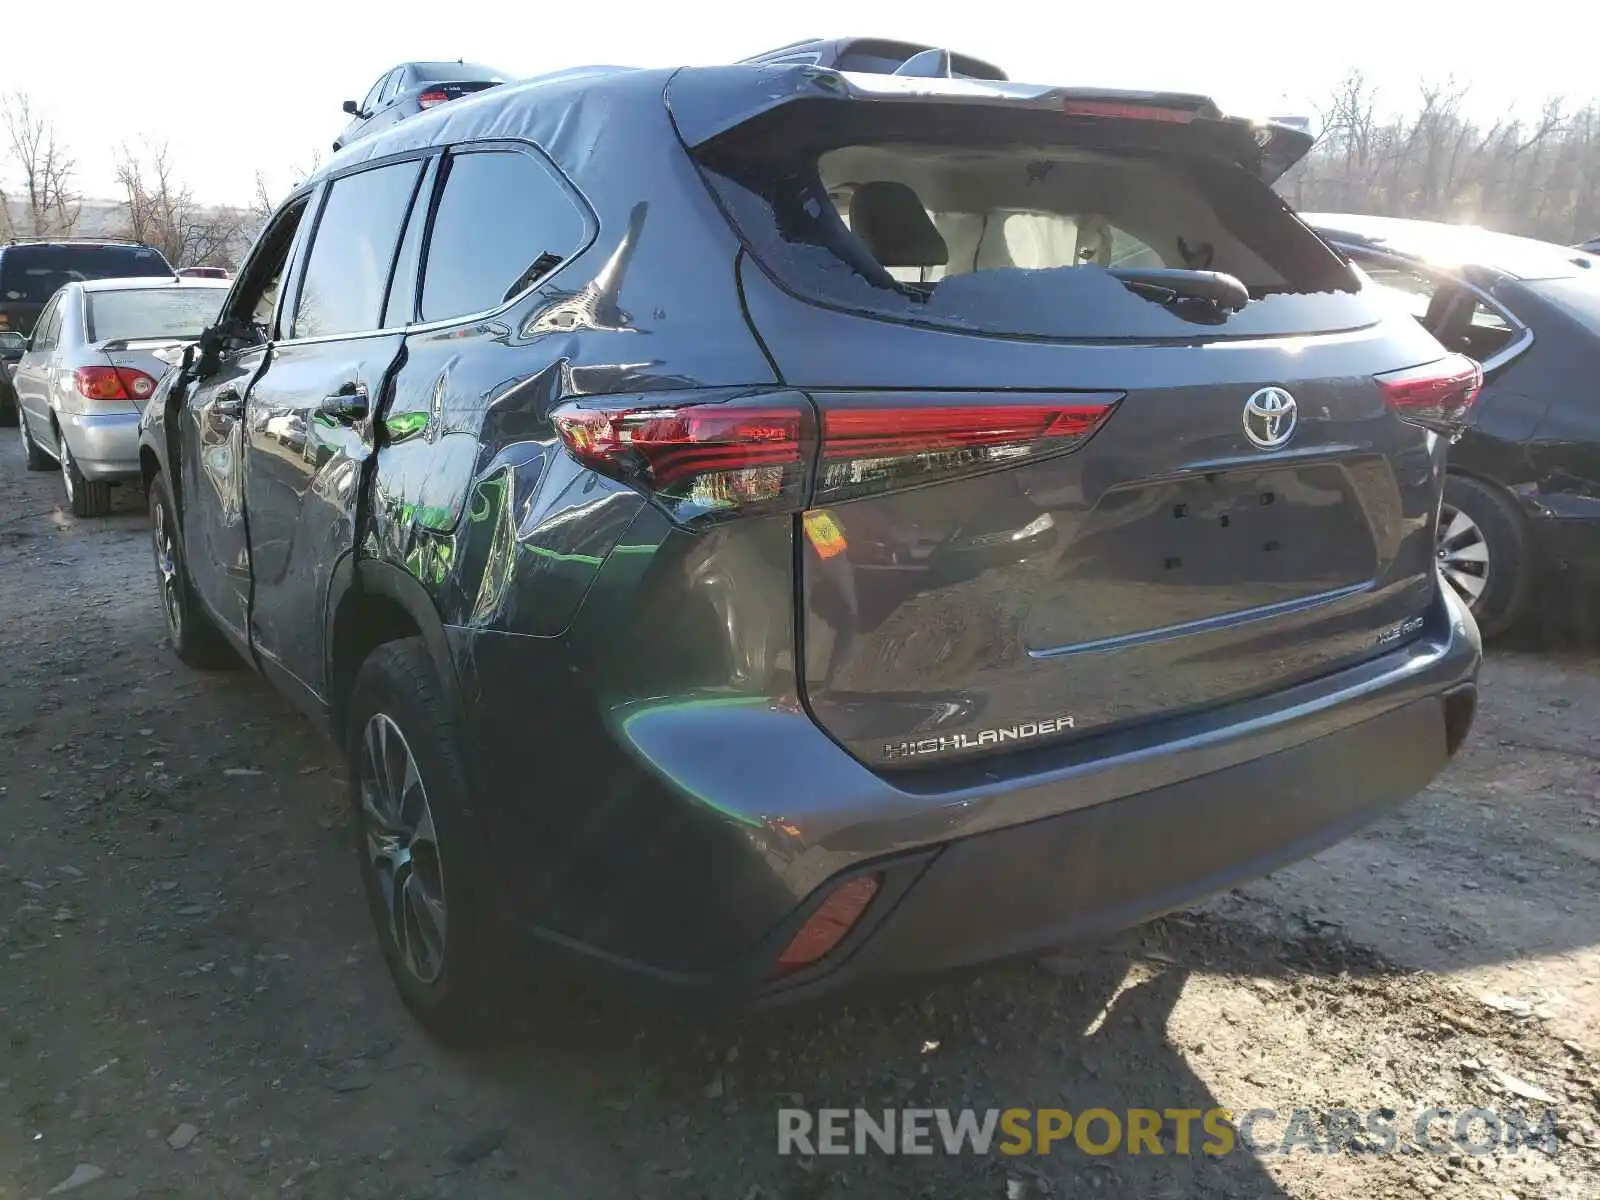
<point x="1269" y="418"/>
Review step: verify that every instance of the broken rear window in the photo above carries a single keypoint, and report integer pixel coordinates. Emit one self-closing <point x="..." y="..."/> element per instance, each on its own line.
<point x="1021" y="238"/>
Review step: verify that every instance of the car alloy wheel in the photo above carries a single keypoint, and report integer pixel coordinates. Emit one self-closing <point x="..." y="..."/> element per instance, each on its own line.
<point x="402" y="846"/>
<point x="1463" y="553"/>
<point x="166" y="550"/>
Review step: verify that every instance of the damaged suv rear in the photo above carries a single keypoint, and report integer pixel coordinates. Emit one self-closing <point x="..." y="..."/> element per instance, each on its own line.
<point x="830" y="525"/>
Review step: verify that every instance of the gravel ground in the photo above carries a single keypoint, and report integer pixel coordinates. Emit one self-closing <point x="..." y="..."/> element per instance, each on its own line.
<point x="191" y="1003"/>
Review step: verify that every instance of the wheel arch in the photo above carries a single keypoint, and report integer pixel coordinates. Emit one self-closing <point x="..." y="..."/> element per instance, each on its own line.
<point x="371" y="602"/>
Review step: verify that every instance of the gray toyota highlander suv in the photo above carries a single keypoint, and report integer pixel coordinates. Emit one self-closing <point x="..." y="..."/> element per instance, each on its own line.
<point x="757" y="527"/>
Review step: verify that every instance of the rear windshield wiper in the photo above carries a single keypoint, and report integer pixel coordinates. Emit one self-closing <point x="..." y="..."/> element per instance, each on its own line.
<point x="1193" y="294"/>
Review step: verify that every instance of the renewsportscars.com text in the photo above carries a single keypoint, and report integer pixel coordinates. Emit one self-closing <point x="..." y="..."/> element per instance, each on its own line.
<point x="1179" y="1131"/>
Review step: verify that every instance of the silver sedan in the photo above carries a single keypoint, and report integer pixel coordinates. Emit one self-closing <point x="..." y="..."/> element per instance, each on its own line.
<point x="97" y="350"/>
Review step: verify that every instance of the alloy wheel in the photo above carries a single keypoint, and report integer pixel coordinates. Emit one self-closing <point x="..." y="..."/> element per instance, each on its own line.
<point x="402" y="847"/>
<point x="1463" y="553"/>
<point x="166" y="549"/>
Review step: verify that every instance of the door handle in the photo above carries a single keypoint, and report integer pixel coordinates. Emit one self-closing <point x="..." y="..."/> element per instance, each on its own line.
<point x="347" y="406"/>
<point x="228" y="403"/>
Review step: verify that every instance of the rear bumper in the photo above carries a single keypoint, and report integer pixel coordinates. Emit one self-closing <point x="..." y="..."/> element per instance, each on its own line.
<point x="739" y="823"/>
<point x="104" y="445"/>
<point x="1096" y="870"/>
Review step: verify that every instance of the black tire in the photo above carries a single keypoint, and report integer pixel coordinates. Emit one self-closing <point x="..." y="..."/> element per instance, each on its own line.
<point x="450" y="983"/>
<point x="193" y="636"/>
<point x="37" y="459"/>
<point x="88" y="497"/>
<point x="9" y="413"/>
<point x="1506" y="575"/>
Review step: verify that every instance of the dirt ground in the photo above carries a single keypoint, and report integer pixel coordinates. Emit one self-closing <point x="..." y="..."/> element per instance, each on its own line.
<point x="191" y="1003"/>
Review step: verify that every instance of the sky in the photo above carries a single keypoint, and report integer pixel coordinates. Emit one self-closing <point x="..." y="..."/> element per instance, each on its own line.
<point x="233" y="89"/>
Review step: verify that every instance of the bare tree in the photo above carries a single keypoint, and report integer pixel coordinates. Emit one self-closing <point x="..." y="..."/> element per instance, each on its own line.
<point x="47" y="170"/>
<point x="1539" y="177"/>
<point x="162" y="212"/>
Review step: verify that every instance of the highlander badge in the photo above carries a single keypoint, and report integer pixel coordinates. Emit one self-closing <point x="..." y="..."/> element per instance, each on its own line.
<point x="971" y="741"/>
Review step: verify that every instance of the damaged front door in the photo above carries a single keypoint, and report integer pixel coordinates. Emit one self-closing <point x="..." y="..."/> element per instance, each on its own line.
<point x="210" y="428"/>
<point x="312" y="417"/>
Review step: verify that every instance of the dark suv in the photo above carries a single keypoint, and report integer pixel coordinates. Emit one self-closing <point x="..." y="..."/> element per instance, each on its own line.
<point x="756" y="527"/>
<point x="32" y="269"/>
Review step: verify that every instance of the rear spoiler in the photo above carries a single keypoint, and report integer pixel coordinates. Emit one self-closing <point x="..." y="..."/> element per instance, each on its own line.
<point x="713" y="104"/>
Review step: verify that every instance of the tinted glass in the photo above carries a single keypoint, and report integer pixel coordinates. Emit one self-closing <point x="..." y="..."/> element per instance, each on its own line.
<point x="457" y="72"/>
<point x="403" y="287"/>
<point x="178" y="312"/>
<point x="348" y="268"/>
<point x="32" y="274"/>
<point x="503" y="222"/>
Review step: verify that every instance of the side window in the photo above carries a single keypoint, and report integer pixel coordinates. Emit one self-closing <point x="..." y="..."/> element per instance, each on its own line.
<point x="397" y="79"/>
<point x="504" y="221"/>
<point x="401" y="305"/>
<point x="49" y="326"/>
<point x="1455" y="314"/>
<point x="1411" y="290"/>
<point x="254" y="298"/>
<point x="370" y="104"/>
<point x="352" y="248"/>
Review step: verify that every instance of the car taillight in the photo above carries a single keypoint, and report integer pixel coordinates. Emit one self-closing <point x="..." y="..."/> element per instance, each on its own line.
<point x="710" y="459"/>
<point x="835" y="917"/>
<point x="431" y="97"/>
<point x="698" y="460"/>
<point x="870" y="446"/>
<point x="1437" y="395"/>
<point x="113" y="383"/>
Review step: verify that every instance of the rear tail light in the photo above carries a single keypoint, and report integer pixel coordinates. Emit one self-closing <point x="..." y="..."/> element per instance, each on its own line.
<point x="113" y="383"/>
<point x="875" y="448"/>
<point x="431" y="97"/>
<point x="1438" y="395"/>
<point x="699" y="459"/>
<point x="723" y="458"/>
<point x="835" y="917"/>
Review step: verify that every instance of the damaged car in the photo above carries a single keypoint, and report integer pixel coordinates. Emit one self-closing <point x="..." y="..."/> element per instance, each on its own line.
<point x="1522" y="499"/>
<point x="731" y="517"/>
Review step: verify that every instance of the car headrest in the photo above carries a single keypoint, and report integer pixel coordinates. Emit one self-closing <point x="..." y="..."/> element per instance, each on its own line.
<point x="1449" y="316"/>
<point x="889" y="218"/>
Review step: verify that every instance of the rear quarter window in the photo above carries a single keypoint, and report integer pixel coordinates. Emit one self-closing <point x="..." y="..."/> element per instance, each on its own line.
<point x="504" y="221"/>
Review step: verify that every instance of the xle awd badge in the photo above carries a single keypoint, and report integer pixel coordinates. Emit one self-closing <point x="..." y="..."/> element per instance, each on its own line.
<point x="1404" y="629"/>
<point x="971" y="741"/>
<point x="1270" y="416"/>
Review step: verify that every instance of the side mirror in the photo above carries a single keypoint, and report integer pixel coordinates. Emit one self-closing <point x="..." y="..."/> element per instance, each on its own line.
<point x="351" y="107"/>
<point x="208" y="361"/>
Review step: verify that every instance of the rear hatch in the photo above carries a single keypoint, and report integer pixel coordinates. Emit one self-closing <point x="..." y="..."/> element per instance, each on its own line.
<point x="1073" y="476"/>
